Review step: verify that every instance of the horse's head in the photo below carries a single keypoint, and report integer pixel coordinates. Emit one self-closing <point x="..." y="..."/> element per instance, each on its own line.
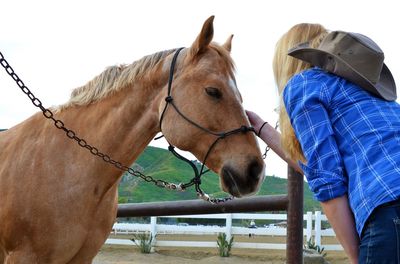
<point x="204" y="90"/>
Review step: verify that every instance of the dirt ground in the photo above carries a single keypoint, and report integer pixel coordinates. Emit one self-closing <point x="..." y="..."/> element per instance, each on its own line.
<point x="112" y="254"/>
<point x="130" y="255"/>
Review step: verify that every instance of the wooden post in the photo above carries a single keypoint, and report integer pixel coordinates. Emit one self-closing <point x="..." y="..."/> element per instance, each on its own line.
<point x="294" y="240"/>
<point x="318" y="228"/>
<point x="309" y="226"/>
<point x="153" y="231"/>
<point x="228" y="226"/>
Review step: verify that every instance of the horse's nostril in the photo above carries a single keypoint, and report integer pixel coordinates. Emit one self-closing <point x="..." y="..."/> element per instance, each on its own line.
<point x="229" y="178"/>
<point x="254" y="171"/>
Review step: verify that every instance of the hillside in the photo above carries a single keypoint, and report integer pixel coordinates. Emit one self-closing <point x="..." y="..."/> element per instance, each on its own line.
<point x="161" y="164"/>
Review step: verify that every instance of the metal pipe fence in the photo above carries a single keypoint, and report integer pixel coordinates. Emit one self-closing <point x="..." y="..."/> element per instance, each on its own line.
<point x="292" y="203"/>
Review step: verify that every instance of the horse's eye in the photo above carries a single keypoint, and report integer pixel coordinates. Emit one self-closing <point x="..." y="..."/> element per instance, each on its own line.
<point x="213" y="92"/>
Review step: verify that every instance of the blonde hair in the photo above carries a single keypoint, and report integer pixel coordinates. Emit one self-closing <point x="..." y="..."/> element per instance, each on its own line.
<point x="284" y="67"/>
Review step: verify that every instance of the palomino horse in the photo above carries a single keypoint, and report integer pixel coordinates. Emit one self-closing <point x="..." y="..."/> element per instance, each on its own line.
<point x="58" y="202"/>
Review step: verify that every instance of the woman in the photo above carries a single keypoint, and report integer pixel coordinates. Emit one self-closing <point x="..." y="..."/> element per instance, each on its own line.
<point x="340" y="123"/>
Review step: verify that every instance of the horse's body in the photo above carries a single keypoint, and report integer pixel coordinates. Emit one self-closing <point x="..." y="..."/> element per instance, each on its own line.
<point x="58" y="202"/>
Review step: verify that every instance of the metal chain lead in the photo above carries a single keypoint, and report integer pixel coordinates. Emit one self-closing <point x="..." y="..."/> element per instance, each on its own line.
<point x="82" y="142"/>
<point x="267" y="148"/>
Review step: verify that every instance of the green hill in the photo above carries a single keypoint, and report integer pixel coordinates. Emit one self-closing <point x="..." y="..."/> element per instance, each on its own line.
<point x="161" y="164"/>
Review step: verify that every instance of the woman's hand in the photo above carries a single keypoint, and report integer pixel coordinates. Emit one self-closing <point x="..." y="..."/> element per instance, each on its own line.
<point x="255" y="120"/>
<point x="271" y="137"/>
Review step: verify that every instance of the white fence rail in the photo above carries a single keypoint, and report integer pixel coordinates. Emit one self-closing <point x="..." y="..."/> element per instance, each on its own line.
<point x="312" y="229"/>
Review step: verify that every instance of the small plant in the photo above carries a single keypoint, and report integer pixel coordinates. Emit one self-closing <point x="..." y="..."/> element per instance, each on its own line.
<point x="143" y="241"/>
<point x="311" y="245"/>
<point x="224" y="246"/>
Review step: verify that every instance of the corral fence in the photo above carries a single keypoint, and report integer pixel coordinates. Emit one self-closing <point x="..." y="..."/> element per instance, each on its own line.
<point x="313" y="230"/>
<point x="292" y="203"/>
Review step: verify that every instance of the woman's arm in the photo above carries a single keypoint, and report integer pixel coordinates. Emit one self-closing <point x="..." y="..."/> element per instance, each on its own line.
<point x="342" y="221"/>
<point x="337" y="210"/>
<point x="271" y="137"/>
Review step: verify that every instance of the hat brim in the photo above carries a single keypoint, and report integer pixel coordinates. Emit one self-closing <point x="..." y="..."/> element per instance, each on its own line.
<point x="385" y="88"/>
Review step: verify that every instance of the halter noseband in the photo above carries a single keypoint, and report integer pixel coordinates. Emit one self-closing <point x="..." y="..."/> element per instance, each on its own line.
<point x="196" y="181"/>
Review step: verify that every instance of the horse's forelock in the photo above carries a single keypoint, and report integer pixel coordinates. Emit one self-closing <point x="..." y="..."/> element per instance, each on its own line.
<point x="226" y="56"/>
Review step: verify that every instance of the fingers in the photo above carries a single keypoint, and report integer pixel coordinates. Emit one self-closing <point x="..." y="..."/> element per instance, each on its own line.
<point x="255" y="120"/>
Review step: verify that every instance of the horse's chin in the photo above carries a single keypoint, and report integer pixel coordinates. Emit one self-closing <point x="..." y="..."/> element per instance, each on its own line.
<point x="241" y="185"/>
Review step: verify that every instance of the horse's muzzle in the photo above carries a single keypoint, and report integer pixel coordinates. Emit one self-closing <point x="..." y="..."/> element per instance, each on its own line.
<point x="243" y="183"/>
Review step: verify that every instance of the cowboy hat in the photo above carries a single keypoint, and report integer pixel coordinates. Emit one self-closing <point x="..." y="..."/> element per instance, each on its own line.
<point x="354" y="57"/>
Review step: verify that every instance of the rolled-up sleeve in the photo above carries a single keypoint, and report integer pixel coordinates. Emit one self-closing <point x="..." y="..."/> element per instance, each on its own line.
<point x="306" y="101"/>
<point x="325" y="185"/>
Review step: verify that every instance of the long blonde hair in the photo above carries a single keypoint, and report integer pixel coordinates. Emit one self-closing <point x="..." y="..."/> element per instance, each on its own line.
<point x="284" y="68"/>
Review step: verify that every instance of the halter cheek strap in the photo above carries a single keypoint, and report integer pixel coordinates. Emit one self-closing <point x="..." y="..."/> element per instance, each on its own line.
<point x="169" y="98"/>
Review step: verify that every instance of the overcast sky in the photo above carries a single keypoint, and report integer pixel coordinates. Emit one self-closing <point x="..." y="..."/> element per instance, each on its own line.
<point x="55" y="46"/>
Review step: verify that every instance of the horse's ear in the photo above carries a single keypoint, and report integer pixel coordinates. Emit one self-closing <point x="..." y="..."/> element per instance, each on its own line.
<point x="228" y="43"/>
<point x="204" y="38"/>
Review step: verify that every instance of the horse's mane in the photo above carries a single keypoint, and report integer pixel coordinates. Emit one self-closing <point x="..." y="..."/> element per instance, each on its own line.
<point x="117" y="77"/>
<point x="113" y="79"/>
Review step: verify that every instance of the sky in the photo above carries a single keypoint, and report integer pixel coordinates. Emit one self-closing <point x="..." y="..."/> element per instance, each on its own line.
<point x="56" y="46"/>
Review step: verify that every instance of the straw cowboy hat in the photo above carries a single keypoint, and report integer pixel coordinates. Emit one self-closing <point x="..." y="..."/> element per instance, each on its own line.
<point x="354" y="57"/>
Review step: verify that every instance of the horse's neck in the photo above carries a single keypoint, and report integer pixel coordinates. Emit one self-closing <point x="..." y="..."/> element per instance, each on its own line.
<point x="121" y="125"/>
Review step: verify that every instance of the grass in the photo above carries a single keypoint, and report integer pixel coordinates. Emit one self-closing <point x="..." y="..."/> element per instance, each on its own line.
<point x="161" y="164"/>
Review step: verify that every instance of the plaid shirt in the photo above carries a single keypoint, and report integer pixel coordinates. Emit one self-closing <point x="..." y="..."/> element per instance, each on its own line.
<point x="351" y="140"/>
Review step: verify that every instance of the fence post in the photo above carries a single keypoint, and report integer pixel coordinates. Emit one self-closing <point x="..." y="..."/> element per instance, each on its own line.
<point x="153" y="230"/>
<point x="309" y="226"/>
<point x="318" y="228"/>
<point x="294" y="241"/>
<point x="228" y="226"/>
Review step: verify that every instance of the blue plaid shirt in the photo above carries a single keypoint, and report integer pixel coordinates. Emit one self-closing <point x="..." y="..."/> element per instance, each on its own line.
<point x="351" y="140"/>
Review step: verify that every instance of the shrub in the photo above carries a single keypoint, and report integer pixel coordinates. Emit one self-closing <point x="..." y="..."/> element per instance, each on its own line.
<point x="224" y="246"/>
<point x="311" y="245"/>
<point x="143" y="241"/>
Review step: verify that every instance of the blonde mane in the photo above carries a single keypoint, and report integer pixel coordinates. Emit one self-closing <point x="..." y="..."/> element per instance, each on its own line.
<point x="117" y="77"/>
<point x="113" y="79"/>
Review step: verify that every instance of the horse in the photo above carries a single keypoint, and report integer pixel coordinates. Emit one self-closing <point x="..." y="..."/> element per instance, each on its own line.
<point x="58" y="202"/>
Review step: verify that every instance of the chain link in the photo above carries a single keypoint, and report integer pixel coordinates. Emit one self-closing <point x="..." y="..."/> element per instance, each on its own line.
<point x="80" y="141"/>
<point x="213" y="200"/>
<point x="267" y="148"/>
